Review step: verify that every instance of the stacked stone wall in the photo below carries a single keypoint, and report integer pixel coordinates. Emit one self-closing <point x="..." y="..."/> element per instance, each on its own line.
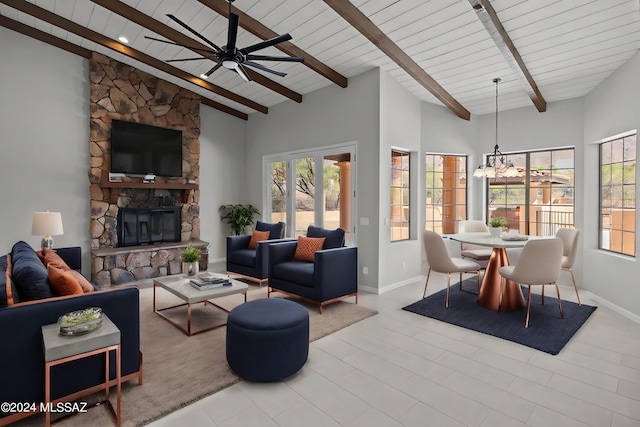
<point x="121" y="92"/>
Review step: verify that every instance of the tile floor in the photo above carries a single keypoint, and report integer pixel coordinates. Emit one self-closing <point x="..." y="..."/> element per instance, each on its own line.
<point x="402" y="369"/>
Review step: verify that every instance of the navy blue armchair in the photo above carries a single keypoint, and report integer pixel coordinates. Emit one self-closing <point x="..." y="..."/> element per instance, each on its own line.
<point x="332" y="276"/>
<point x="251" y="263"/>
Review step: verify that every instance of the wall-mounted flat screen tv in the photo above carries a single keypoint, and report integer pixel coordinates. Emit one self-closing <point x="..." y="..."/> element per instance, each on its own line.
<point x="138" y="149"/>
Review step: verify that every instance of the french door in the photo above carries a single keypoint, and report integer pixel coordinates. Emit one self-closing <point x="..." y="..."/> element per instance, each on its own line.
<point x="312" y="188"/>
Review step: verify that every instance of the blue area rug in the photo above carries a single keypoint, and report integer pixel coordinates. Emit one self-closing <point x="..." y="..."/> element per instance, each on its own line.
<point x="547" y="331"/>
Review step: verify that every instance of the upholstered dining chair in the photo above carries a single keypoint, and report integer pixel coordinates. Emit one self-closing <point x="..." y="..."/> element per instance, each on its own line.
<point x="440" y="261"/>
<point x="477" y="253"/>
<point x="539" y="264"/>
<point x="569" y="237"/>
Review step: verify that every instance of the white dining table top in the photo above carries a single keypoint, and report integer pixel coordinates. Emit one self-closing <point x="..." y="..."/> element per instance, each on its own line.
<point x="485" y="239"/>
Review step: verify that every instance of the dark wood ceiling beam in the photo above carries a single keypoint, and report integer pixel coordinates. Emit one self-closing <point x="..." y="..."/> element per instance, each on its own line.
<point x="65" y="24"/>
<point x="224" y="108"/>
<point x="158" y="27"/>
<point x="360" y="22"/>
<point x="44" y="37"/>
<point x="259" y="30"/>
<point x="489" y="18"/>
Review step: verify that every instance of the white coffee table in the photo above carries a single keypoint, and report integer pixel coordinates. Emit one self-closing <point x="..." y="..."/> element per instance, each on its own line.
<point x="179" y="286"/>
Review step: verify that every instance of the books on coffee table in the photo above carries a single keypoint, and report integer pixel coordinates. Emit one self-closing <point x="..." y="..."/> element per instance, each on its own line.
<point x="209" y="283"/>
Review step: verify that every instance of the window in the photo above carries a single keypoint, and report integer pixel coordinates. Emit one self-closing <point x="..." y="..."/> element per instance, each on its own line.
<point x="618" y="195"/>
<point x="399" y="195"/>
<point x="446" y="192"/>
<point x="540" y="199"/>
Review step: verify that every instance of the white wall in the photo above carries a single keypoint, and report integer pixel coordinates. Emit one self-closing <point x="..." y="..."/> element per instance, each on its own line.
<point x="328" y="116"/>
<point x="223" y="176"/>
<point x="44" y="132"/>
<point x="399" y="128"/>
<point x="611" y="108"/>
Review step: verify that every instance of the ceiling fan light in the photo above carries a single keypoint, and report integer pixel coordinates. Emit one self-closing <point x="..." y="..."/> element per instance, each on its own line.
<point x="231" y="65"/>
<point x="123" y="39"/>
<point x="204" y="76"/>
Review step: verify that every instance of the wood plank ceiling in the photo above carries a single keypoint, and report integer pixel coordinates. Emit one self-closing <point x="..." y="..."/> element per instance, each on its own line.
<point x="552" y="49"/>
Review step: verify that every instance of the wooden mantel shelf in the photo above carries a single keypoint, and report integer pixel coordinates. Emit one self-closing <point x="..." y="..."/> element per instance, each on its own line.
<point x="139" y="184"/>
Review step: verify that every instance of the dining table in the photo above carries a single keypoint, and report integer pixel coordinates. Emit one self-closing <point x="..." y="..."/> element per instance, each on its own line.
<point x="489" y="295"/>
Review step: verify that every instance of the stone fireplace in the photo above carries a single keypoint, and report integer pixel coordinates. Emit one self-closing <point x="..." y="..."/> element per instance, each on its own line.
<point x="119" y="91"/>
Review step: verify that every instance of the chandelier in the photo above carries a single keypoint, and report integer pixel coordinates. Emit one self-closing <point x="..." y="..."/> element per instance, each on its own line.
<point x="497" y="166"/>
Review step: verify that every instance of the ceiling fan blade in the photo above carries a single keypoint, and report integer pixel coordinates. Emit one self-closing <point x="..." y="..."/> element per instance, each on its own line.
<point x="215" y="67"/>
<point x="263" y="68"/>
<point x="181" y="45"/>
<point x="275" y="58"/>
<point x="200" y="58"/>
<point x="194" y="32"/>
<point x="266" y="43"/>
<point x="233" y="33"/>
<point x="243" y="73"/>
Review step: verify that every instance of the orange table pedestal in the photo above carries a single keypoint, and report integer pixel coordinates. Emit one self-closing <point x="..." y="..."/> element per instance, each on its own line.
<point x="489" y="296"/>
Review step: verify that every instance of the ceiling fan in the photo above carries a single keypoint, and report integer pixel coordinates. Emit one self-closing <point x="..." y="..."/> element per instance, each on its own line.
<point x="229" y="56"/>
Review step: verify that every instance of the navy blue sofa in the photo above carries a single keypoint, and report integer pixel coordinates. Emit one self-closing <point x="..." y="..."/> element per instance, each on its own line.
<point x="252" y="263"/>
<point x="22" y="357"/>
<point x="332" y="276"/>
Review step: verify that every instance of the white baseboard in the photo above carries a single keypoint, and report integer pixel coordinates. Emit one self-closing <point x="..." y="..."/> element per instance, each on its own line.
<point x="606" y="303"/>
<point x="393" y="285"/>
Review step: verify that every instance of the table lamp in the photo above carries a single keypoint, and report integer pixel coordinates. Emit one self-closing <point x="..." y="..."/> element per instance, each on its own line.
<point x="47" y="224"/>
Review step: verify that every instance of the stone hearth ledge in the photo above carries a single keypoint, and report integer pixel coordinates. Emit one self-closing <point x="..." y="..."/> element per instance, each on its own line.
<point x="116" y="266"/>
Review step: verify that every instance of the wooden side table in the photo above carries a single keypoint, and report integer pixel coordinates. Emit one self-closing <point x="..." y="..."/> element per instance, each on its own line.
<point x="59" y="349"/>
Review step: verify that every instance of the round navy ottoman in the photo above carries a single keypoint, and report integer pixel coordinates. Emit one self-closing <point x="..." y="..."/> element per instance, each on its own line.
<point x="267" y="339"/>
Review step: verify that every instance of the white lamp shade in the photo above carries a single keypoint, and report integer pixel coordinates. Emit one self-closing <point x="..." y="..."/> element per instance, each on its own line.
<point x="512" y="171"/>
<point x="479" y="173"/>
<point x="47" y="224"/>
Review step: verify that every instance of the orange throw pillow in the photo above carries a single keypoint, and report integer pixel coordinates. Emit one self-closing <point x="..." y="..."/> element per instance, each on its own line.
<point x="258" y="236"/>
<point x="82" y="281"/>
<point x="8" y="283"/>
<point x="63" y="282"/>
<point x="307" y="246"/>
<point x="50" y="256"/>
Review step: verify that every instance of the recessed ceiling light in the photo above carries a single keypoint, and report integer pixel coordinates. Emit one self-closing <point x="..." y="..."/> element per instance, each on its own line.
<point x="204" y="76"/>
<point x="123" y="39"/>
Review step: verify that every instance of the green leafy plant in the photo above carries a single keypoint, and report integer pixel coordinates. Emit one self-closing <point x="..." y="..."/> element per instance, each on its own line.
<point x="190" y="254"/>
<point x="238" y="217"/>
<point x="498" y="221"/>
<point x="79" y="317"/>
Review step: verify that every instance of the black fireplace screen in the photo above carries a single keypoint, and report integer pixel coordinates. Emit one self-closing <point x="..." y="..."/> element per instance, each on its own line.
<point x="140" y="226"/>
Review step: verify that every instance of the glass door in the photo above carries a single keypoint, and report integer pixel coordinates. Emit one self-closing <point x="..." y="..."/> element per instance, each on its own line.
<point x="305" y="206"/>
<point x="293" y="197"/>
<point x="278" y="183"/>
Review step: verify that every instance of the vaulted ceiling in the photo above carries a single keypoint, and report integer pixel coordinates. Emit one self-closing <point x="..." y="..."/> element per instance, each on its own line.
<point x="445" y="52"/>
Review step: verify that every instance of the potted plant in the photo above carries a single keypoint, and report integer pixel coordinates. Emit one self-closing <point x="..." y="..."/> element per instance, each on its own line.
<point x="238" y="217"/>
<point x="190" y="260"/>
<point x="497" y="225"/>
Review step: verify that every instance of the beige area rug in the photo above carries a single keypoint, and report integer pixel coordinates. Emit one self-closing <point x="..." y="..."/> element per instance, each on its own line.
<point x="178" y="370"/>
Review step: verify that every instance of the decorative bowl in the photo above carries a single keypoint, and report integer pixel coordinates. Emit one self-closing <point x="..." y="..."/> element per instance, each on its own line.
<point x="80" y="322"/>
